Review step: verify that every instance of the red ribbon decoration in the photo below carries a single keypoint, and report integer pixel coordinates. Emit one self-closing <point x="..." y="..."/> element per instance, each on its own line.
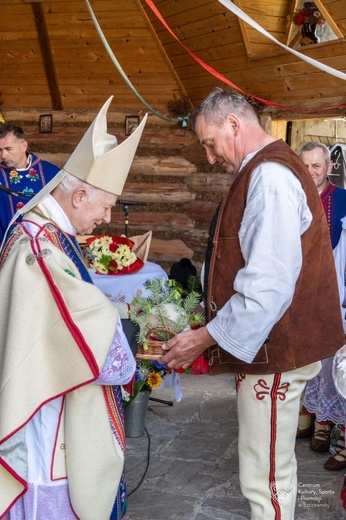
<point x="223" y="78"/>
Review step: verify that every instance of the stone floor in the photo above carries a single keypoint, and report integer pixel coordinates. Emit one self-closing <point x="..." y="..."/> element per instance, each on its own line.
<point x="193" y="463"/>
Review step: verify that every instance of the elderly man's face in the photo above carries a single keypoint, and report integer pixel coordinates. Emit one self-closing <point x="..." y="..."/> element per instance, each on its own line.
<point x="94" y="209"/>
<point x="220" y="143"/>
<point x="13" y="151"/>
<point x="314" y="160"/>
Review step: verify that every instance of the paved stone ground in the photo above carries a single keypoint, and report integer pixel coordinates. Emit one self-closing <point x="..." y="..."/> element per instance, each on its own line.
<point x="193" y="468"/>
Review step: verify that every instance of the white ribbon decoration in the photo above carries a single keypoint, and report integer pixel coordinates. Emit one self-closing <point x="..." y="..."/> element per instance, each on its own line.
<point x="122" y="72"/>
<point x="238" y="12"/>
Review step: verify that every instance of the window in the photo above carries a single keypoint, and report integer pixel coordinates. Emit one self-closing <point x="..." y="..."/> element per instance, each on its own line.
<point x="311" y="23"/>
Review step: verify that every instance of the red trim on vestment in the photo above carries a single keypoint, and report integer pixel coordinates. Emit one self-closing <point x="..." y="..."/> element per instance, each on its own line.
<point x="65" y="313"/>
<point x="62" y="394"/>
<point x="81" y="343"/>
<point x="75" y="332"/>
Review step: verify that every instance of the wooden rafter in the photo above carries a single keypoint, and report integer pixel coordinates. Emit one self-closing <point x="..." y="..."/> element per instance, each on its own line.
<point x="47" y="55"/>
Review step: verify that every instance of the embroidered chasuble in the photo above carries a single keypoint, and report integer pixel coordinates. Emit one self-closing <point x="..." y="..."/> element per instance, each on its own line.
<point x="55" y="341"/>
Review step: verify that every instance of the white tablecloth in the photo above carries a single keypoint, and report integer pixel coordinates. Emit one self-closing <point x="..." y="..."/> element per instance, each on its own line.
<point x="123" y="287"/>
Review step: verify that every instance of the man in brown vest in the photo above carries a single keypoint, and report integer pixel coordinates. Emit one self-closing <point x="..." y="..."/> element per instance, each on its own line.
<point x="269" y="271"/>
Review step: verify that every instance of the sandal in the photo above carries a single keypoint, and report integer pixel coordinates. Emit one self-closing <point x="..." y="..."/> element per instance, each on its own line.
<point x="334" y="463"/>
<point x="320" y="440"/>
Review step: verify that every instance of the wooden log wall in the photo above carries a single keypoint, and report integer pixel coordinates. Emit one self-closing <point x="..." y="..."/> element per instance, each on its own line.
<point x="169" y="173"/>
<point x="181" y="191"/>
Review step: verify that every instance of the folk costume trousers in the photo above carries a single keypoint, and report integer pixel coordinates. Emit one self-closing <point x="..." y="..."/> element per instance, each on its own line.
<point x="268" y="411"/>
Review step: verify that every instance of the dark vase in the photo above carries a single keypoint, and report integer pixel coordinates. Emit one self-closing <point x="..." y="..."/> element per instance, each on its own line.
<point x="308" y="31"/>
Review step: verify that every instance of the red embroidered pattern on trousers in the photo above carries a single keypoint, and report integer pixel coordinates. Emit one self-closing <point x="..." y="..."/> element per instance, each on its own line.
<point x="238" y="378"/>
<point x="262" y="389"/>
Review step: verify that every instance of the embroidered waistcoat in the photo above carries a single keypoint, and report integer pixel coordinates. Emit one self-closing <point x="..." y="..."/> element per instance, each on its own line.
<point x="333" y="199"/>
<point x="311" y="327"/>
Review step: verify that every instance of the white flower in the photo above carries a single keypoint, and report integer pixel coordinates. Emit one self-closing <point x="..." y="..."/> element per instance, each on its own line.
<point x="102" y="258"/>
<point x="126" y="395"/>
<point x="143" y="372"/>
<point x="124" y="256"/>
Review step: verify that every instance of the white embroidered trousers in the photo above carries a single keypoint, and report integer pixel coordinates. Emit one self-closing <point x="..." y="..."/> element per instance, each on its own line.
<point x="268" y="411"/>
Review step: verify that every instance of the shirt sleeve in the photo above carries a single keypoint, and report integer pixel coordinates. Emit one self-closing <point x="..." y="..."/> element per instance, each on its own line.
<point x="275" y="217"/>
<point x="340" y="266"/>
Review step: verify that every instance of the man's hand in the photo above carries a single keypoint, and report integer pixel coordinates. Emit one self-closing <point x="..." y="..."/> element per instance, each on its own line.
<point x="185" y="347"/>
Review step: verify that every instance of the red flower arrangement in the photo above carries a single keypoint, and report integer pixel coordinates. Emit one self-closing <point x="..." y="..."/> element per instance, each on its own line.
<point x="112" y="255"/>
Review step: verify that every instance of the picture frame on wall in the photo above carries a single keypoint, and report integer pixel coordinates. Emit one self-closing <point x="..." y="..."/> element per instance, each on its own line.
<point x="131" y="123"/>
<point x="46" y="123"/>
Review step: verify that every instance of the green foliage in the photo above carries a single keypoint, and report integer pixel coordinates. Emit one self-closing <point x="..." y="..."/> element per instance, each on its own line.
<point x="166" y="310"/>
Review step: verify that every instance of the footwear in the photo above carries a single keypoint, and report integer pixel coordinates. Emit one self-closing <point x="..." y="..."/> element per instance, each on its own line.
<point x="305" y="433"/>
<point x="336" y="462"/>
<point x="320" y="440"/>
<point x="306" y="426"/>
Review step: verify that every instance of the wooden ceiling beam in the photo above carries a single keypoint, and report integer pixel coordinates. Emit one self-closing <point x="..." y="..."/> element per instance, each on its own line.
<point x="161" y="49"/>
<point x="47" y="55"/>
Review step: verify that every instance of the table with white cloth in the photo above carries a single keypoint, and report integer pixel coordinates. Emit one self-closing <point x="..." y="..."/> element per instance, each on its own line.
<point x="123" y="288"/>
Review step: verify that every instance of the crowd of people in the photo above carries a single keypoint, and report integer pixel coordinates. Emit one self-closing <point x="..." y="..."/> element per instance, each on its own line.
<point x="274" y="299"/>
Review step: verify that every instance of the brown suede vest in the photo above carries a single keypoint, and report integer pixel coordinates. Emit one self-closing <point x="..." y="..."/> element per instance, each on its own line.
<point x="311" y="328"/>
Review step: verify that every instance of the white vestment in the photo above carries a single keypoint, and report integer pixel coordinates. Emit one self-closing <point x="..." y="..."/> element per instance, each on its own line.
<point x="61" y="441"/>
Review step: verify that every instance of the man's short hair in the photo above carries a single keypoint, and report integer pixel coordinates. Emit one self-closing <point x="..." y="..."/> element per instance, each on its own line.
<point x="8" y="128"/>
<point x="308" y="147"/>
<point x="219" y="103"/>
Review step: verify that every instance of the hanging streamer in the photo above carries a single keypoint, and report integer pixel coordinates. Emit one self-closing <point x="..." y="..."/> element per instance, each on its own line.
<point x="223" y="78"/>
<point x="238" y="12"/>
<point x="182" y="120"/>
<point x="202" y="63"/>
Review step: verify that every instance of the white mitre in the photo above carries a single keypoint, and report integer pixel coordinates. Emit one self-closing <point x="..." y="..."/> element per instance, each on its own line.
<point x="97" y="160"/>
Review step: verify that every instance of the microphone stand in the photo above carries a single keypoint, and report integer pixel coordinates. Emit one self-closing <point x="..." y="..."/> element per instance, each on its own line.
<point x="126" y="207"/>
<point x="15" y="193"/>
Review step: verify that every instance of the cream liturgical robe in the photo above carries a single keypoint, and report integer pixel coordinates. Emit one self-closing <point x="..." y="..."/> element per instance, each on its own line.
<point x="56" y="331"/>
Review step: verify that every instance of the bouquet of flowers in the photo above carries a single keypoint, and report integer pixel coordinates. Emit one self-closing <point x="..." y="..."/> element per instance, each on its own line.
<point x="148" y="375"/>
<point x="112" y="255"/>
